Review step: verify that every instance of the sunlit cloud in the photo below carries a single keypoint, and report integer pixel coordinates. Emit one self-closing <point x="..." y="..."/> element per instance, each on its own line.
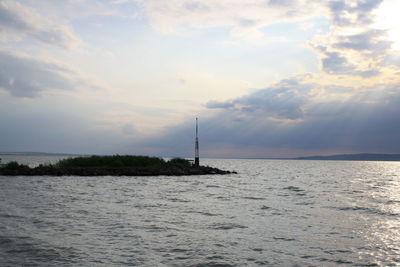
<point x="244" y="19"/>
<point x="387" y="18"/>
<point x="265" y="77"/>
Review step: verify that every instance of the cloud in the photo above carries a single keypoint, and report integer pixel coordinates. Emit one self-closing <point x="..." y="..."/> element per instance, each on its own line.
<point x="244" y="19"/>
<point x="336" y="63"/>
<point x="292" y="115"/>
<point x="368" y="41"/>
<point x="316" y="115"/>
<point x="353" y="47"/>
<point x="219" y="104"/>
<point x="353" y="13"/>
<point x="24" y="76"/>
<point x="18" y="21"/>
<point x="367" y="121"/>
<point x="392" y="59"/>
<point x="57" y="124"/>
<point x="282" y="101"/>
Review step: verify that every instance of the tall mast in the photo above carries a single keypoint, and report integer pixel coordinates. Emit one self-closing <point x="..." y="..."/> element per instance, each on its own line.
<point x="196" y="152"/>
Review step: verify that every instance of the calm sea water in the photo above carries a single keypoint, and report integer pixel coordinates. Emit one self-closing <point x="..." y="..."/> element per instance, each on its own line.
<point x="273" y="213"/>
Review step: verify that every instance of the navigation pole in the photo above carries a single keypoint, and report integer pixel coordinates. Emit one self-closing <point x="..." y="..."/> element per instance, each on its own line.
<point x="196" y="152"/>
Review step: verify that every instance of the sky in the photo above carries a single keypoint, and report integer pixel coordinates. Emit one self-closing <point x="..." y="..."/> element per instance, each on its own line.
<point x="266" y="78"/>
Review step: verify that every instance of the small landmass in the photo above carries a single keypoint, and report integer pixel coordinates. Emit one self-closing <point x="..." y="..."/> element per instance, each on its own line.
<point x="113" y="166"/>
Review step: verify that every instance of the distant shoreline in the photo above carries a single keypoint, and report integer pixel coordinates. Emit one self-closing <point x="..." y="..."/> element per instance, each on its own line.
<point x="39" y="154"/>
<point x="355" y="157"/>
<point x="345" y="157"/>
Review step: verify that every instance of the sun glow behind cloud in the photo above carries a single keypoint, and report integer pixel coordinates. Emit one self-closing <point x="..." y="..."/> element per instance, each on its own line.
<point x="387" y="18"/>
<point x="285" y="77"/>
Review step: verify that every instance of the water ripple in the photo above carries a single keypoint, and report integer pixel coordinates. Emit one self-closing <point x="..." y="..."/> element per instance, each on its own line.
<point x="273" y="213"/>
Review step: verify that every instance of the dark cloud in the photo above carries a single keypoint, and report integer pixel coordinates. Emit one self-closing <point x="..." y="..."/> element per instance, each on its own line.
<point x="367" y="122"/>
<point x="27" y="77"/>
<point x="283" y="100"/>
<point x="18" y="21"/>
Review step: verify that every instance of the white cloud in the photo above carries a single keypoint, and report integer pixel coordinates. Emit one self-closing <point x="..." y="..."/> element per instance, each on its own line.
<point x="353" y="47"/>
<point x="243" y="18"/>
<point x="18" y="21"/>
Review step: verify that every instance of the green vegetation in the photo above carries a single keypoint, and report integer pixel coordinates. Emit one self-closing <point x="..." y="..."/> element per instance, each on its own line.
<point x="112" y="165"/>
<point x="178" y="162"/>
<point x="13" y="165"/>
<point x="115" y="161"/>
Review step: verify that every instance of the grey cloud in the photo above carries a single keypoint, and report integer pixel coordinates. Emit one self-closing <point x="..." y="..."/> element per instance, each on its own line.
<point x="17" y="20"/>
<point x="282" y="2"/>
<point x="367" y="122"/>
<point x="335" y="63"/>
<point x="128" y="129"/>
<point x="284" y="100"/>
<point x="364" y="8"/>
<point x="392" y="59"/>
<point x="367" y="41"/>
<point x="247" y="22"/>
<point x="11" y="19"/>
<point x="338" y="9"/>
<point x="196" y="6"/>
<point x="370" y="44"/>
<point x="218" y="104"/>
<point x="48" y="127"/>
<point x="28" y="77"/>
<point x="360" y="9"/>
<point x="366" y="73"/>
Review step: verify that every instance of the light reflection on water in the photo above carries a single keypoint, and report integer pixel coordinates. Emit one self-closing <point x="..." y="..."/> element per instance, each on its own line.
<point x="274" y="213"/>
<point x="382" y="231"/>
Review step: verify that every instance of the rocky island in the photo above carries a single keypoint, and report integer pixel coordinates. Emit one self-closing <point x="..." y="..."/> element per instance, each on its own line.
<point x="113" y="166"/>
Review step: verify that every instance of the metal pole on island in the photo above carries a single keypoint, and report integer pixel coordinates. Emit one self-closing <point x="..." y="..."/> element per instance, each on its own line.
<point x="196" y="152"/>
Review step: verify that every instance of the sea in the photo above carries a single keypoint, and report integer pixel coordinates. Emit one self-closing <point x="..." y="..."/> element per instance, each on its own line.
<point x="271" y="213"/>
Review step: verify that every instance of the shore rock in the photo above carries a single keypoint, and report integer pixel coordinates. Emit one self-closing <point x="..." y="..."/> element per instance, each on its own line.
<point x="89" y="171"/>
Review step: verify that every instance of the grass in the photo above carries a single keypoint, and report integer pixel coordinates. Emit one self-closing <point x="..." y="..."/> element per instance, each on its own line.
<point x="115" y="161"/>
<point x="118" y="161"/>
<point x="13" y="165"/>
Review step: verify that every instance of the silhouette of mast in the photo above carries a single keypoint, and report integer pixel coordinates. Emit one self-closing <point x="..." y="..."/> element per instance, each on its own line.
<point x="196" y="152"/>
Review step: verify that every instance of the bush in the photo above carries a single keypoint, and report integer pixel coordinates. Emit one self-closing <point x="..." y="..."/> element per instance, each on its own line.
<point x="115" y="161"/>
<point x="13" y="165"/>
<point x="179" y="162"/>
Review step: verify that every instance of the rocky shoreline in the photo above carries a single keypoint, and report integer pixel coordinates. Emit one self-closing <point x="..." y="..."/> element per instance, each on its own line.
<point x="52" y="171"/>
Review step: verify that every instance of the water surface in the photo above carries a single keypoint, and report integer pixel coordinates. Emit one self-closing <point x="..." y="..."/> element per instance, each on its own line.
<point x="273" y="213"/>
